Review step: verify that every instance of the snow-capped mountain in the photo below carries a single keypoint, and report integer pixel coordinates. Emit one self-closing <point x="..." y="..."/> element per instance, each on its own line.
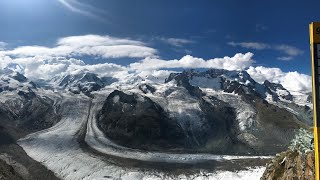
<point x="232" y="82"/>
<point x="14" y="81"/>
<point x="198" y="102"/>
<point x="84" y="82"/>
<point x="211" y="116"/>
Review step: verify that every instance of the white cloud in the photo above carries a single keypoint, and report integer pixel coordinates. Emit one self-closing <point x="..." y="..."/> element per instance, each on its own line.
<point x="237" y="62"/>
<point x="155" y="75"/>
<point x="289" y="51"/>
<point x="104" y="69"/>
<point x="92" y="45"/>
<point x="284" y="58"/>
<point x="82" y="8"/>
<point x="48" y="67"/>
<point x="46" y="62"/>
<point x="178" y="42"/>
<point x="250" y="45"/>
<point x="293" y="81"/>
<point x="95" y="40"/>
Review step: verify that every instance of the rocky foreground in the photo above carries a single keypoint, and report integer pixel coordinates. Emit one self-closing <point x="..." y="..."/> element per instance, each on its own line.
<point x="296" y="163"/>
<point x="291" y="165"/>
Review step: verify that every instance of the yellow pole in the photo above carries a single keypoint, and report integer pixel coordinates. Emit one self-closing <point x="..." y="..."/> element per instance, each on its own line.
<point x="315" y="58"/>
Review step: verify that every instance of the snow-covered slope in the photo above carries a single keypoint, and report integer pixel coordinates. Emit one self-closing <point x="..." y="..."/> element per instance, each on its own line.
<point x="11" y="81"/>
<point x="259" y="117"/>
<point x="59" y="150"/>
<point x="232" y="81"/>
<point x="84" y="82"/>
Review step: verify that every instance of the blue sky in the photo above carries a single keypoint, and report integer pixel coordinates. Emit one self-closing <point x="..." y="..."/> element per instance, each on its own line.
<point x="208" y="24"/>
<point x="276" y="32"/>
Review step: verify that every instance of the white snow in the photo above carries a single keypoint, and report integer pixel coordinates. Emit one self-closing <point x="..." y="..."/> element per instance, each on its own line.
<point x="302" y="99"/>
<point x="245" y="112"/>
<point x="97" y="140"/>
<point x="116" y="99"/>
<point x="281" y="92"/>
<point x="58" y="149"/>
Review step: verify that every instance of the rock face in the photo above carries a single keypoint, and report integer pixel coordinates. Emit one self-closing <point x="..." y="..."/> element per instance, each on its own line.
<point x="265" y="124"/>
<point x="7" y="172"/>
<point x="83" y="82"/>
<point x="182" y="79"/>
<point x="220" y="134"/>
<point x="136" y="121"/>
<point x="29" y="114"/>
<point x="277" y="91"/>
<point x="238" y="82"/>
<point x="295" y="163"/>
<point x="24" y="109"/>
<point x="11" y="81"/>
<point x="184" y="114"/>
<point x="291" y="164"/>
<point x="146" y="88"/>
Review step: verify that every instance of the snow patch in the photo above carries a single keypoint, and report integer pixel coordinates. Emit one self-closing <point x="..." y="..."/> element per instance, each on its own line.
<point x="116" y="99"/>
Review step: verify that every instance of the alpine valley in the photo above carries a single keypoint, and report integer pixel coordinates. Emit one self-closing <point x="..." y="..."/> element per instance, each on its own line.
<point x="208" y="124"/>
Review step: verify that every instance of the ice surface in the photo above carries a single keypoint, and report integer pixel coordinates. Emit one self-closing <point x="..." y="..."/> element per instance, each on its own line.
<point x="58" y="149"/>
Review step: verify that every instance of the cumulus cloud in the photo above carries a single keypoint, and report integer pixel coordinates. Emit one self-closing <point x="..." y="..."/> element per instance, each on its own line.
<point x="177" y="42"/>
<point x="293" y="81"/>
<point x="91" y="45"/>
<point x="237" y="62"/>
<point x="289" y="51"/>
<point x="48" y="67"/>
<point x="47" y="62"/>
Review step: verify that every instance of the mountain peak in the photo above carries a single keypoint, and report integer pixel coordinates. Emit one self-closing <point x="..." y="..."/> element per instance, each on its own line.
<point x="277" y="91"/>
<point x="238" y="82"/>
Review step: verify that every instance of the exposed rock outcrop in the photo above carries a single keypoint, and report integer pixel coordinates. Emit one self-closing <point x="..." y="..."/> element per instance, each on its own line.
<point x="136" y="121"/>
<point x="291" y="164"/>
<point x="295" y="163"/>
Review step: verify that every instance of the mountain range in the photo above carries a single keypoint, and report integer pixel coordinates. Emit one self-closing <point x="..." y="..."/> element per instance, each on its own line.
<point x="214" y="111"/>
